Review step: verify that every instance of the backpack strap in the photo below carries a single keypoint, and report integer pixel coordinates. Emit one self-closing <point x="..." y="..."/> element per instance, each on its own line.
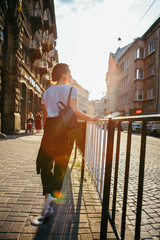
<point x="58" y="105"/>
<point x="59" y="102"/>
<point x="69" y="96"/>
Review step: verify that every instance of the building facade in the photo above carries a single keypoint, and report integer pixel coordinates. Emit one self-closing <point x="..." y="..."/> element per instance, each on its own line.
<point x="91" y="109"/>
<point x="100" y="107"/>
<point x="27" y="52"/>
<point x="133" y="77"/>
<point x="82" y="103"/>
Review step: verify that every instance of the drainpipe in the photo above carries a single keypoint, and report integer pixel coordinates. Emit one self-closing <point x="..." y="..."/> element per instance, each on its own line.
<point x="158" y="87"/>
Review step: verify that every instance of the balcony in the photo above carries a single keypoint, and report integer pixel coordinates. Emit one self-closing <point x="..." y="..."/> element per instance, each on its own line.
<point x="47" y="46"/>
<point x="36" y="23"/>
<point x="52" y="29"/>
<point x="42" y="68"/>
<point x="46" y="4"/>
<point x="138" y="79"/>
<point x="138" y="100"/>
<point x="49" y="63"/>
<point x="46" y="25"/>
<point x="35" y="50"/>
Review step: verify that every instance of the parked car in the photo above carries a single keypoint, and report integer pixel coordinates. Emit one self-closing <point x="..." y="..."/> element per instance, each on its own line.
<point x="136" y="126"/>
<point x="149" y="128"/>
<point x="155" y="129"/>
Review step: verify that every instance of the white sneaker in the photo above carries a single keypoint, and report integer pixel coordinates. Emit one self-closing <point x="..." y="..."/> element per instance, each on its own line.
<point x="48" y="209"/>
<point x="50" y="200"/>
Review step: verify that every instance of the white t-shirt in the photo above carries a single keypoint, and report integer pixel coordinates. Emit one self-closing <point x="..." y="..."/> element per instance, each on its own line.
<point x="54" y="94"/>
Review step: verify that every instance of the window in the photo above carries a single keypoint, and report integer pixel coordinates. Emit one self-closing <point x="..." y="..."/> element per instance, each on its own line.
<point x="126" y="63"/>
<point x="126" y="80"/>
<point x="139" y="94"/>
<point x="122" y="67"/>
<point x="149" y="93"/>
<point x="139" y="73"/>
<point x="151" y="47"/>
<point x="123" y="82"/>
<point x="139" y="53"/>
<point x="151" y="70"/>
<point x="125" y="98"/>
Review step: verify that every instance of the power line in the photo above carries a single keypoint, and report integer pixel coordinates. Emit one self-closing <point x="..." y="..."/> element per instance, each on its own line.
<point x="155" y="18"/>
<point x="129" y="10"/>
<point x="144" y="15"/>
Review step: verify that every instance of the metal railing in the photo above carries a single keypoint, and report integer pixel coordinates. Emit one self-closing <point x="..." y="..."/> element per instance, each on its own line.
<point x="99" y="146"/>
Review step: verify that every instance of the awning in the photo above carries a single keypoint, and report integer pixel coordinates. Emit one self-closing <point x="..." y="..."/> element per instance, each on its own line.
<point x="114" y="114"/>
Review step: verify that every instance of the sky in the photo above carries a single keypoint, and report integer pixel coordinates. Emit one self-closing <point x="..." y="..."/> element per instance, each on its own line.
<point x="88" y="30"/>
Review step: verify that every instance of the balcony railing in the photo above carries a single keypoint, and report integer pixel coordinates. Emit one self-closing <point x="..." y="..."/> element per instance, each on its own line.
<point x="99" y="148"/>
<point x="34" y="44"/>
<point x="35" y="50"/>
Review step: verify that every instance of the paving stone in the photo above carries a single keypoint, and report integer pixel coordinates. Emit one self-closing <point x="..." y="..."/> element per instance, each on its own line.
<point x="154" y="232"/>
<point x="17" y="227"/>
<point x="12" y="200"/>
<point x="84" y="230"/>
<point x="6" y="226"/>
<point x="156" y="238"/>
<point x="30" y="229"/>
<point x="4" y="200"/>
<point x="26" y="237"/>
<point x="9" y="236"/>
<point x="83" y="218"/>
<point x="95" y="227"/>
<point x="86" y="237"/>
<point x="22" y="187"/>
<point x="3" y="215"/>
<point x="17" y="214"/>
<point x="145" y="235"/>
<point x="90" y="209"/>
<point x="15" y="218"/>
<point x="156" y="226"/>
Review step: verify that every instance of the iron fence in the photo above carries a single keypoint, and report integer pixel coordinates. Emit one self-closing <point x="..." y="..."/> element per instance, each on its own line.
<point x="99" y="147"/>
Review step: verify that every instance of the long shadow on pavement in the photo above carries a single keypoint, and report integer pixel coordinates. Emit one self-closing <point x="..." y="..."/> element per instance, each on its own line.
<point x="64" y="223"/>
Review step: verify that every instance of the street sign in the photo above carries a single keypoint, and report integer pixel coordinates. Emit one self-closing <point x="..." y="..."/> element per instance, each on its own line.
<point x="126" y="110"/>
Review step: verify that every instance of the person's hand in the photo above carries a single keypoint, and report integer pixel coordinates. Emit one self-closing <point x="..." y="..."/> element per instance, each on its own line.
<point x="96" y="118"/>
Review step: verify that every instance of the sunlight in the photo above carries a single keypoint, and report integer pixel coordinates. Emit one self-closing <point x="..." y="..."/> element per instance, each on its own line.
<point x="89" y="32"/>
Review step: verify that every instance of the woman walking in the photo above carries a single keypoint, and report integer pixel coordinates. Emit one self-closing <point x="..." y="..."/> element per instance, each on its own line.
<point x="38" y="121"/>
<point x="55" y="149"/>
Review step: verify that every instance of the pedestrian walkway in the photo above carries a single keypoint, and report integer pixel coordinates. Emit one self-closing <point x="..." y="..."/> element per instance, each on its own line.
<point x="78" y="216"/>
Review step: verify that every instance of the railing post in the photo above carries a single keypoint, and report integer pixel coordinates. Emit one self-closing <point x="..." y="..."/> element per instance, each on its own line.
<point x="140" y="182"/>
<point x="99" y="157"/>
<point x="96" y="155"/>
<point x="107" y="181"/>
<point x="93" y="149"/>
<point x="126" y="178"/>
<point x="116" y="171"/>
<point x="103" y="160"/>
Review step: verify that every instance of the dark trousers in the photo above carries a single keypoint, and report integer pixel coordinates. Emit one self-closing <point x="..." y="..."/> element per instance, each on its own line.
<point x="55" y="150"/>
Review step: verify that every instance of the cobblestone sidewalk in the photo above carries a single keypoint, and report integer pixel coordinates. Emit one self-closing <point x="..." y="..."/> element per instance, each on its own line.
<point x="150" y="221"/>
<point x="78" y="217"/>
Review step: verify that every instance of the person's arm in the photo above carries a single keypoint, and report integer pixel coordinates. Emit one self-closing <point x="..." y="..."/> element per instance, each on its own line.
<point x="80" y="115"/>
<point x="44" y="113"/>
